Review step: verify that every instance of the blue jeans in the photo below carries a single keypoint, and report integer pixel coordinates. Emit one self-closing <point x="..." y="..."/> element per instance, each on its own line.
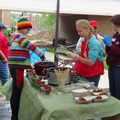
<point x="3" y="72"/>
<point x="114" y="81"/>
<point x="94" y="79"/>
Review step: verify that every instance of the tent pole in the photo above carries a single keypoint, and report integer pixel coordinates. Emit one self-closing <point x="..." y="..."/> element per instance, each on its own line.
<point x="56" y="32"/>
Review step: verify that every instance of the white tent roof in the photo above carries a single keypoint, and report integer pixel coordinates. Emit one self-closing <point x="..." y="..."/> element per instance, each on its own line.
<point x="91" y="7"/>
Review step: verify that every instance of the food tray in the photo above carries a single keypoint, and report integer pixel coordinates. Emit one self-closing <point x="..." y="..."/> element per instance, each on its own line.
<point x="99" y="91"/>
<point x="89" y="99"/>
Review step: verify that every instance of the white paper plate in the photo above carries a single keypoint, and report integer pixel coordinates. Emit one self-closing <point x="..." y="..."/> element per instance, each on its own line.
<point x="89" y="99"/>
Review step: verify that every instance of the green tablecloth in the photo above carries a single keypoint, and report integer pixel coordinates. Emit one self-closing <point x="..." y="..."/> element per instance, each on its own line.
<point x="34" y="105"/>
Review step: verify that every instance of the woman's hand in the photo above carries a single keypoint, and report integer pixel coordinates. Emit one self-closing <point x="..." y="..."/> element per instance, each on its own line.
<point x="74" y="56"/>
<point x="42" y="57"/>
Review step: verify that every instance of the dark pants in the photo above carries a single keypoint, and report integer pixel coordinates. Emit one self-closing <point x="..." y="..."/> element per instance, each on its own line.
<point x="94" y="79"/>
<point x="114" y="81"/>
<point x="18" y="77"/>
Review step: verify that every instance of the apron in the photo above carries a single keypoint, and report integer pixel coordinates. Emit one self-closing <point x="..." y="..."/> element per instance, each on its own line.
<point x="88" y="71"/>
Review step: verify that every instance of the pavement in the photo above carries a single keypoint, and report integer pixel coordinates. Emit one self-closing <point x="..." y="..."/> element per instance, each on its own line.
<point x="5" y="110"/>
<point x="104" y="82"/>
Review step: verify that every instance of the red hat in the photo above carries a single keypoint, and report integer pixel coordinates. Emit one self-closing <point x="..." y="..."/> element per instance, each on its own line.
<point x="93" y="23"/>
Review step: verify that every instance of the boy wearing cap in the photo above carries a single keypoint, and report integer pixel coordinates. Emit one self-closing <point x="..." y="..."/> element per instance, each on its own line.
<point x="3" y="55"/>
<point x="89" y="63"/>
<point x="19" y="59"/>
<point x="94" y="25"/>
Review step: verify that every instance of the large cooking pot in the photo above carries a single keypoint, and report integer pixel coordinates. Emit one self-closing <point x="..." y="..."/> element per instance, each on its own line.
<point x="40" y="67"/>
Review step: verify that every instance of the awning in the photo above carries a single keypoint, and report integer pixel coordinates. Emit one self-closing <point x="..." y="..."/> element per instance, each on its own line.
<point x="86" y="7"/>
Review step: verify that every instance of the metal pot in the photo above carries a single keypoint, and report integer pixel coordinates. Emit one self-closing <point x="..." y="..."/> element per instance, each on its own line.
<point x="40" y="67"/>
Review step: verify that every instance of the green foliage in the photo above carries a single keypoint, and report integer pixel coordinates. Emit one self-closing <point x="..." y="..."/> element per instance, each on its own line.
<point x="51" y="50"/>
<point x="105" y="65"/>
<point x="50" y="22"/>
<point x="45" y="21"/>
<point x="14" y="18"/>
<point x="41" y="21"/>
<point x="10" y="31"/>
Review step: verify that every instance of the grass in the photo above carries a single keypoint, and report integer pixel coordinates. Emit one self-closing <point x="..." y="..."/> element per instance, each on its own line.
<point x="105" y="65"/>
<point x="51" y="50"/>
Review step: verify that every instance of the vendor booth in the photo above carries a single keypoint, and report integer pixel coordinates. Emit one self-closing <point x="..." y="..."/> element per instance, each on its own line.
<point x="37" y="106"/>
<point x="57" y="105"/>
<point x="45" y="100"/>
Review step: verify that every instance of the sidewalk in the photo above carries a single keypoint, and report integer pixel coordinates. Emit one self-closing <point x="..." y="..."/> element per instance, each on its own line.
<point x="104" y="83"/>
<point x="5" y="110"/>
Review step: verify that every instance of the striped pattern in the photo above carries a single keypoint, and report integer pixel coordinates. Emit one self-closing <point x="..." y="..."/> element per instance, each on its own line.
<point x="25" y="43"/>
<point x="23" y="23"/>
<point x="19" y="51"/>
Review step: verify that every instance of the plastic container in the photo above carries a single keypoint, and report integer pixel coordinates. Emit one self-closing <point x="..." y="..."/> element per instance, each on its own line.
<point x="34" y="57"/>
<point x="53" y="79"/>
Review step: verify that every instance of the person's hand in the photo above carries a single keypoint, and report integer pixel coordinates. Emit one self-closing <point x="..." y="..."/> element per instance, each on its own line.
<point x="15" y="36"/>
<point x="72" y="55"/>
<point x="42" y="57"/>
<point x="107" y="40"/>
<point x="68" y="61"/>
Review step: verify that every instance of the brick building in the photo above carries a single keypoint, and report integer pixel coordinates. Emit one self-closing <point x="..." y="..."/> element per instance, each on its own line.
<point x="5" y="17"/>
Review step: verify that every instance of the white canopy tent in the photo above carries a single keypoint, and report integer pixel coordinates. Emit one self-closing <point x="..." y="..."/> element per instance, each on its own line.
<point x="89" y="7"/>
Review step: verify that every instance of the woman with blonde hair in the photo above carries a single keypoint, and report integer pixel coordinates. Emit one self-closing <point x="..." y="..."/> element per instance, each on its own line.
<point x="89" y="63"/>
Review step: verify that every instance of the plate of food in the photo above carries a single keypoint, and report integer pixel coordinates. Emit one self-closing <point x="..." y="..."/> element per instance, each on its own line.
<point x="100" y="98"/>
<point x="83" y="100"/>
<point x="89" y="99"/>
<point x="99" y="91"/>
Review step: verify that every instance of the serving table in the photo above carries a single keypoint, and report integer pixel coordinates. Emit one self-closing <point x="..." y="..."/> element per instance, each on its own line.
<point x="35" y="105"/>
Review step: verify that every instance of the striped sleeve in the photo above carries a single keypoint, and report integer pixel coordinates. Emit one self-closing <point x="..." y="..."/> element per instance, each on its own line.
<point x="23" y="42"/>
